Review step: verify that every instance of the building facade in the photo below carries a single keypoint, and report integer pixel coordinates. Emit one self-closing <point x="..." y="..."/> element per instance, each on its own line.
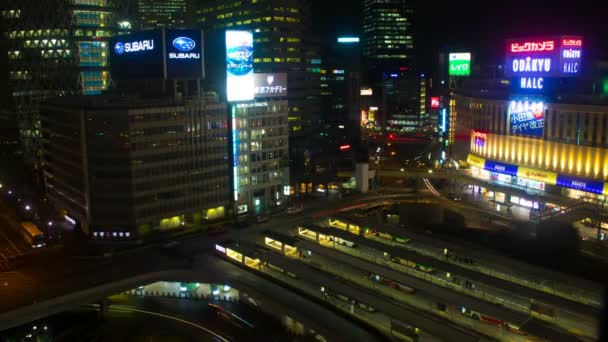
<point x="568" y="157"/>
<point x="122" y="167"/>
<point x="387" y="33"/>
<point x="283" y="43"/>
<point x="260" y="138"/>
<point x="63" y="53"/>
<point x="154" y="14"/>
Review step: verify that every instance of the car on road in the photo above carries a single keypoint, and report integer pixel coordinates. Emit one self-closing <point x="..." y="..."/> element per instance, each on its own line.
<point x="453" y="196"/>
<point x="170" y="244"/>
<point x="216" y="230"/>
<point x="293" y="210"/>
<point x="262" y="219"/>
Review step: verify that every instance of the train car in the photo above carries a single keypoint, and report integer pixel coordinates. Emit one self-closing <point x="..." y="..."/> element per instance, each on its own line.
<point x="391" y="237"/>
<point x="482" y="317"/>
<point x="417" y="266"/>
<point x="343" y="242"/>
<point x="334" y="294"/>
<point x="390" y="283"/>
<point x="280" y="270"/>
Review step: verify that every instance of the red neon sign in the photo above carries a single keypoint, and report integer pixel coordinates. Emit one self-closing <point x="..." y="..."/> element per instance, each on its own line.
<point x="533" y="46"/>
<point x="434" y="102"/>
<point x="480" y="135"/>
<point x="344" y="147"/>
<point x="572" y="42"/>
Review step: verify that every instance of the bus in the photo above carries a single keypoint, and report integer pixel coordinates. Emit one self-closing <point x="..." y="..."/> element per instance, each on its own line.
<point x="32" y="235"/>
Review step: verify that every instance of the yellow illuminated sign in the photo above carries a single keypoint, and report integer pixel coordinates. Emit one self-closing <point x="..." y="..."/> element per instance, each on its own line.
<point x="476" y="161"/>
<point x="537" y="175"/>
<point x="605" y="192"/>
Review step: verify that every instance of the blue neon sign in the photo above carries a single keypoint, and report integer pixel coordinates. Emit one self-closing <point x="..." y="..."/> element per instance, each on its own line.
<point x="582" y="184"/>
<point x="184" y="44"/>
<point x="504" y="168"/>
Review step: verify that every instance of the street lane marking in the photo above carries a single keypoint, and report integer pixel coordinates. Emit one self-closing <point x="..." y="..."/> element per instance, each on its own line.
<point x="11" y="242"/>
<point x="131" y="309"/>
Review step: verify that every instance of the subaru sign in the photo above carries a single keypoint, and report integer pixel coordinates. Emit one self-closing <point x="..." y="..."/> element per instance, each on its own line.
<point x="119" y="48"/>
<point x="184" y="44"/>
<point x="138" y="55"/>
<point x="164" y="53"/>
<point x="239" y="66"/>
<point x="184" y="52"/>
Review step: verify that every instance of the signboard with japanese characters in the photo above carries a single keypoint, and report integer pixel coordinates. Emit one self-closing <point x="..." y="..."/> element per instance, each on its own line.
<point x="526" y="118"/>
<point x="270" y="85"/>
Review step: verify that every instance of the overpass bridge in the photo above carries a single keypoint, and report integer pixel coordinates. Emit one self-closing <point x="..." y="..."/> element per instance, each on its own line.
<point x="269" y="296"/>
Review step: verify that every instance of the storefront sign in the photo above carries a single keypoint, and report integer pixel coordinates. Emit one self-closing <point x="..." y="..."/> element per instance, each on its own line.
<point x="496" y="166"/>
<point x="476" y="161"/>
<point x="582" y="184"/>
<point x="528" y="183"/>
<point x="537" y="175"/>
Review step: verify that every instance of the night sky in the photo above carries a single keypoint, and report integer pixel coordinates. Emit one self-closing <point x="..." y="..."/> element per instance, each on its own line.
<point x="473" y="25"/>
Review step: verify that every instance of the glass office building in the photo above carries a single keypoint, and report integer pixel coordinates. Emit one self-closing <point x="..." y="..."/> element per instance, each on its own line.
<point x="50" y="54"/>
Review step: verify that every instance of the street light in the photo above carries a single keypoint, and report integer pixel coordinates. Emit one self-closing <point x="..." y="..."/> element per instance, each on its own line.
<point x="50" y="223"/>
<point x="27" y="207"/>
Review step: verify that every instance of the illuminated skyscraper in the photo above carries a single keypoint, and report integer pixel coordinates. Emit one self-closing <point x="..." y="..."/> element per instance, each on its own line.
<point x="283" y="43"/>
<point x="387" y="32"/>
<point x="53" y="53"/>
<point x="161" y="13"/>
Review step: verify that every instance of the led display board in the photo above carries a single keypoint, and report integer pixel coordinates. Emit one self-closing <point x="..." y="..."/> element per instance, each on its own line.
<point x="270" y="85"/>
<point x="239" y="66"/>
<point x="526" y="118"/>
<point x="184" y="54"/>
<point x="168" y="54"/>
<point x="459" y="64"/>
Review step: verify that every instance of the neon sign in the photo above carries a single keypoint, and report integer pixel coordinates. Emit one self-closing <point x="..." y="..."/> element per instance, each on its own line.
<point x="479" y="138"/>
<point x="531" y="83"/>
<point x="572" y="42"/>
<point x="435" y="102"/>
<point x="534" y="60"/>
<point x="530" y="64"/>
<point x="144" y="45"/>
<point x="533" y="46"/>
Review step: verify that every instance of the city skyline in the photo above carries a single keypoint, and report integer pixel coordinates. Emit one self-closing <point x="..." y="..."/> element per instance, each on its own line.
<point x="299" y="170"/>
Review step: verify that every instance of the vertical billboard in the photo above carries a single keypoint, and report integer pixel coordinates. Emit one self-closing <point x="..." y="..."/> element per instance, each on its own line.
<point x="460" y="64"/>
<point x="184" y="54"/>
<point x="526" y="118"/>
<point x="239" y="66"/>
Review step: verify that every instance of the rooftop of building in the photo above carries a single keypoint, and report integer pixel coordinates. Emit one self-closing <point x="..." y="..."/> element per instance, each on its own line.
<point x="126" y="101"/>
